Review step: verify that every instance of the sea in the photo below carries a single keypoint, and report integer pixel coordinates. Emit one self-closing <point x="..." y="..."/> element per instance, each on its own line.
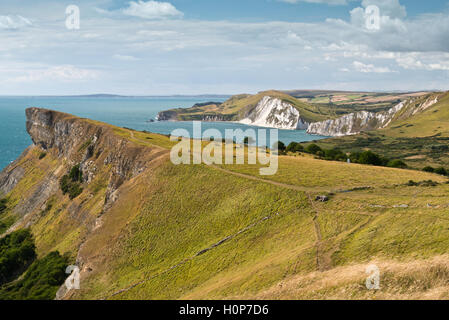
<point x="131" y="112"/>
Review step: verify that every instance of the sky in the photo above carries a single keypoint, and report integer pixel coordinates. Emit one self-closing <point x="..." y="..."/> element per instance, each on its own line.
<point x="222" y="46"/>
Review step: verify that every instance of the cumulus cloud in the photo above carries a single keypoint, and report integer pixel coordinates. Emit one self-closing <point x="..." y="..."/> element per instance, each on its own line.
<point x="152" y="10"/>
<point x="391" y="13"/>
<point x="409" y="53"/>
<point x="14" y="22"/>
<point x="420" y="61"/>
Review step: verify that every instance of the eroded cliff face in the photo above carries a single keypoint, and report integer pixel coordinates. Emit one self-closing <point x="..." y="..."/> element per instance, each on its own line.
<point x="109" y="160"/>
<point x="274" y="113"/>
<point x="357" y="122"/>
<point x="85" y="142"/>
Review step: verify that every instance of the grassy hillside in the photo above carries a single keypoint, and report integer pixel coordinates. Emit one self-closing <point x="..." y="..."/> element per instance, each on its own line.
<point x="202" y="232"/>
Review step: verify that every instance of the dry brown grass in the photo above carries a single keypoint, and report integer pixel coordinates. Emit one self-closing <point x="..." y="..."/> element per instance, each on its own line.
<point x="414" y="279"/>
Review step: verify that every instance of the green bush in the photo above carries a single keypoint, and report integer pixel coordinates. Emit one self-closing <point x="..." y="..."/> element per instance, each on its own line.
<point x="295" y="147"/>
<point x="280" y="146"/>
<point x="64" y="184"/>
<point x="369" y="157"/>
<point x="3" y="205"/>
<point x="441" y="171"/>
<point x="75" y="190"/>
<point x="42" y="155"/>
<point x="70" y="184"/>
<point x="428" y="169"/>
<point x="40" y="282"/>
<point x="397" y="164"/>
<point x="76" y="174"/>
<point x="313" y="148"/>
<point x="334" y="154"/>
<point x="17" y="252"/>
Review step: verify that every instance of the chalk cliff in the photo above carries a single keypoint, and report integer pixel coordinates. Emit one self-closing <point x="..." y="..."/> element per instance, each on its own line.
<point x="357" y="122"/>
<point x="275" y="113"/>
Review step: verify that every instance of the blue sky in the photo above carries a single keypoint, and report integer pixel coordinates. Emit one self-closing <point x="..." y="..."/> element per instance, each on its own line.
<point x="222" y="46"/>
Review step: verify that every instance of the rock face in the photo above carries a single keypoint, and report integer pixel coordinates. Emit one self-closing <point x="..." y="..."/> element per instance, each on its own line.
<point x="354" y="123"/>
<point x="166" y="116"/>
<point x="275" y="113"/>
<point x="73" y="141"/>
<point x="357" y="122"/>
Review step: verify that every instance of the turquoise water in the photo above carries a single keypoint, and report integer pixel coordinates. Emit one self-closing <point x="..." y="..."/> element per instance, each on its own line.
<point x="130" y="112"/>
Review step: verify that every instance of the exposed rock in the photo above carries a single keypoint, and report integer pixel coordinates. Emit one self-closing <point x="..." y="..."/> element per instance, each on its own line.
<point x="357" y="122"/>
<point x="275" y="113"/>
<point x="167" y="116"/>
<point x="401" y="206"/>
<point x="322" y="198"/>
<point x="354" y="123"/>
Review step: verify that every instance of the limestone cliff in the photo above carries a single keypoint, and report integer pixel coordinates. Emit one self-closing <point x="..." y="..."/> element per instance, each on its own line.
<point x="108" y="159"/>
<point x="357" y="122"/>
<point x="275" y="113"/>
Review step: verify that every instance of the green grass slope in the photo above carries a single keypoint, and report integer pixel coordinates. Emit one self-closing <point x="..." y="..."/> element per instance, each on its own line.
<point x="203" y="232"/>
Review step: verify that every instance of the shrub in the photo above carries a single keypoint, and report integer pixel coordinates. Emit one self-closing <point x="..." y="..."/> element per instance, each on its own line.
<point x="17" y="252"/>
<point x="71" y="183"/>
<point x="280" y="146"/>
<point x="42" y="155"/>
<point x="64" y="184"/>
<point x="3" y="205"/>
<point x="313" y="148"/>
<point x="397" y="164"/>
<point x="428" y="169"/>
<point x="40" y="282"/>
<point x="295" y="147"/>
<point x="334" y="154"/>
<point x="369" y="157"/>
<point x="76" y="174"/>
<point x="75" y="190"/>
<point x="441" y="171"/>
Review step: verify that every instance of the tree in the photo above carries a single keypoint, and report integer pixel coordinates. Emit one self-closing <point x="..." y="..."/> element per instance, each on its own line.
<point x="295" y="147"/>
<point x="280" y="146"/>
<point x="441" y="171"/>
<point x="428" y="169"/>
<point x="397" y="164"/>
<point x="369" y="157"/>
<point x="313" y="148"/>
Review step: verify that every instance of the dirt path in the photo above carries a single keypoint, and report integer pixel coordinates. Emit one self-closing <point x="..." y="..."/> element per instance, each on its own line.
<point x="250" y="177"/>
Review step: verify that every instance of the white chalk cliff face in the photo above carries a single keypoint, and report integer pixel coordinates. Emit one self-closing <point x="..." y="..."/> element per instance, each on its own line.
<point x="357" y="122"/>
<point x="275" y="113"/>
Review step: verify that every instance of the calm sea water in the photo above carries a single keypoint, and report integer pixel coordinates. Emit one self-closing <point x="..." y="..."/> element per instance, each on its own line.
<point x="130" y="112"/>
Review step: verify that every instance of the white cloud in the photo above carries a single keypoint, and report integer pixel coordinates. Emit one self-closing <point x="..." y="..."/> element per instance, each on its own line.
<point x="369" y="68"/>
<point x="152" y="10"/>
<point x="169" y="54"/>
<point x="14" y="22"/>
<point x="125" y="57"/>
<point x="61" y="73"/>
<point x="419" y="61"/>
